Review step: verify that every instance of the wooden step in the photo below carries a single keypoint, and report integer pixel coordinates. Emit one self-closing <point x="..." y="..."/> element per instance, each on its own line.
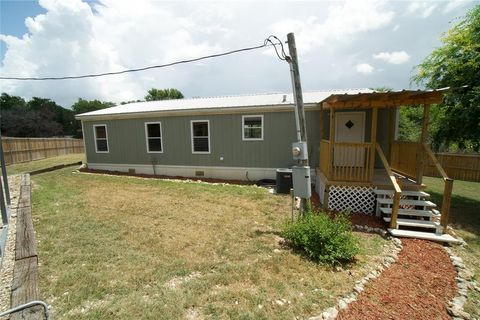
<point x="411" y="212"/>
<point x="423" y="235"/>
<point x="415" y="223"/>
<point x="408" y="202"/>
<point x="404" y="193"/>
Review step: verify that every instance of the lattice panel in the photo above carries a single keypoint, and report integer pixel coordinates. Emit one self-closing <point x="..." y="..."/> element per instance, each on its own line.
<point x="352" y="198"/>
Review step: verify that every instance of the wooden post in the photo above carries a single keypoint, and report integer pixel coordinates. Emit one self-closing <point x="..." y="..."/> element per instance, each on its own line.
<point x="395" y="207"/>
<point x="391" y="131"/>
<point x="332" y="143"/>
<point x="447" y="196"/>
<point x="29" y="149"/>
<point x="373" y="141"/>
<point x="423" y="140"/>
<point x="321" y="131"/>
<point x="44" y="149"/>
<point x="10" y="150"/>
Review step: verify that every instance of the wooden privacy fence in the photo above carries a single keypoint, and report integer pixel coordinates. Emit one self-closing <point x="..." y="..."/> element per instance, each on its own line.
<point x="457" y="166"/>
<point x="17" y="150"/>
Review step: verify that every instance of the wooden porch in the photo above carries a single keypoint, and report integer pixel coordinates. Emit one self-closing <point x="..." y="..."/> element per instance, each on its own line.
<point x="390" y="165"/>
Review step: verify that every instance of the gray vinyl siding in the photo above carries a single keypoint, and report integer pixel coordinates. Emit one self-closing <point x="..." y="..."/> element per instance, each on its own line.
<point x="127" y="144"/>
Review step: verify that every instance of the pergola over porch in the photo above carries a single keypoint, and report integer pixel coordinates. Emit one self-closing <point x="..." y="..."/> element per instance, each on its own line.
<point x="353" y="163"/>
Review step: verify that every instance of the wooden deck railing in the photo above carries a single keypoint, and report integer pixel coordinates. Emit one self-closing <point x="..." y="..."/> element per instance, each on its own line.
<point x="351" y="161"/>
<point x="325" y="157"/>
<point x="447" y="189"/>
<point x="396" y="187"/>
<point x="404" y="157"/>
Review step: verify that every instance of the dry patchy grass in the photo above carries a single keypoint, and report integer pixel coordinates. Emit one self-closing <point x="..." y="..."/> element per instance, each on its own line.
<point x="44" y="163"/>
<point x="127" y="248"/>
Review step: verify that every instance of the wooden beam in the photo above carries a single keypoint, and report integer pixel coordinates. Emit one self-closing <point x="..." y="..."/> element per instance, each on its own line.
<point x="373" y="141"/>
<point x="391" y="103"/>
<point x="332" y="143"/>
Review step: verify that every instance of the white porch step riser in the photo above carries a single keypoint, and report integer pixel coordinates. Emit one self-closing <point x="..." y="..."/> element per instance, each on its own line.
<point x="404" y="193"/>
<point x="423" y="235"/>
<point x="412" y="213"/>
<point x="406" y="202"/>
<point x="415" y="223"/>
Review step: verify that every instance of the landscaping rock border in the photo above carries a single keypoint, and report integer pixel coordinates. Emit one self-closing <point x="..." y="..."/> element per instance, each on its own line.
<point x="6" y="270"/>
<point x="390" y="258"/>
<point x="465" y="282"/>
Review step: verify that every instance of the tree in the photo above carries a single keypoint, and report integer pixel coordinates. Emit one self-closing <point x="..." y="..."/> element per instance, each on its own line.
<point x="163" y="94"/>
<point x="82" y="105"/>
<point x="456" y="64"/>
<point x="50" y="109"/>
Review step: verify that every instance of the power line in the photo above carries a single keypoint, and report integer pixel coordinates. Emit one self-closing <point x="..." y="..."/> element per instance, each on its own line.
<point x="268" y="42"/>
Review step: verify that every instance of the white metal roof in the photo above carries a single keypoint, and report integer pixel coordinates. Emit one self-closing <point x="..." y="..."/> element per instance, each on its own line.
<point x="224" y="102"/>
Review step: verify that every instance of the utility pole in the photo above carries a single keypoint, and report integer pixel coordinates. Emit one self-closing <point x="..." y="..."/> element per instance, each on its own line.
<point x="297" y="92"/>
<point x="301" y="174"/>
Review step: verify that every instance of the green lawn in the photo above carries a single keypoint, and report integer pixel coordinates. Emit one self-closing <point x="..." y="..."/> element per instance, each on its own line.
<point x="465" y="218"/>
<point x="44" y="163"/>
<point x="115" y="247"/>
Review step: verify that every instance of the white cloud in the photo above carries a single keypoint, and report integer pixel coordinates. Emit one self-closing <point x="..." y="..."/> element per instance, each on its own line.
<point x="454" y="4"/>
<point x="343" y="21"/>
<point x="364" y="68"/>
<point x="395" y="57"/>
<point x="70" y="39"/>
<point x="423" y="9"/>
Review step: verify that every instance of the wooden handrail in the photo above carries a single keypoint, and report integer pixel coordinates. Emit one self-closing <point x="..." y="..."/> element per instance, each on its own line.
<point x="435" y="161"/>
<point x="396" y="187"/>
<point x="447" y="189"/>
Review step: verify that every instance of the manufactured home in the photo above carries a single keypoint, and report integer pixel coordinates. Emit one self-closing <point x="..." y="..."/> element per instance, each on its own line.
<point x="357" y="162"/>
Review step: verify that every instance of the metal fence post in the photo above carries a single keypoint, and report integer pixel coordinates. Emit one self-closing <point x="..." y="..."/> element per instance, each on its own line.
<point x="4" y="170"/>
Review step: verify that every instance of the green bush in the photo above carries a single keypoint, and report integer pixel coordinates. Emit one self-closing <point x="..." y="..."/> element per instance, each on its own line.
<point x="325" y="239"/>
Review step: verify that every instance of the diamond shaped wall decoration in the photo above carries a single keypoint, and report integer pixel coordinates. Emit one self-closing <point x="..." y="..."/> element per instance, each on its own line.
<point x="349" y="124"/>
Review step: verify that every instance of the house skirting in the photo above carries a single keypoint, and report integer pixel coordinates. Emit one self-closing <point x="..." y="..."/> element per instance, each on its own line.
<point x="226" y="173"/>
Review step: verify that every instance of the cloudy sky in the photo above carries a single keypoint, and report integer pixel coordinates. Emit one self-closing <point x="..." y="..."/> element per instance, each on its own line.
<point x="349" y="44"/>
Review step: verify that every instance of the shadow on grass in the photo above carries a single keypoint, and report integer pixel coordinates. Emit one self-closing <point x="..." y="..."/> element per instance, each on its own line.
<point x="464" y="212"/>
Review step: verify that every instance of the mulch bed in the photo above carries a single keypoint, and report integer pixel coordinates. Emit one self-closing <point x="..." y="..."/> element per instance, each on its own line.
<point x="418" y="286"/>
<point x="360" y="219"/>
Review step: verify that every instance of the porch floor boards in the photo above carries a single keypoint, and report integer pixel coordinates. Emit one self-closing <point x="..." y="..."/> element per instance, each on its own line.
<point x="380" y="180"/>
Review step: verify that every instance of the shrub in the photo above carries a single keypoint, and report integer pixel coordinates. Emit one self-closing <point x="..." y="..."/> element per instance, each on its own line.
<point x="325" y="239"/>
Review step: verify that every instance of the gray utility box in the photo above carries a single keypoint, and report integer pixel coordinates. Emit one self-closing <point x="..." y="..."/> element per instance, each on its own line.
<point x="302" y="182"/>
<point x="299" y="150"/>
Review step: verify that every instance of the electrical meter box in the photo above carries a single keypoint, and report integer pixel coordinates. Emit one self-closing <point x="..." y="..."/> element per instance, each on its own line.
<point x="301" y="182"/>
<point x="299" y="150"/>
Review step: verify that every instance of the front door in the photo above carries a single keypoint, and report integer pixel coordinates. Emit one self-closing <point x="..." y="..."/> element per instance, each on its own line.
<point x="349" y="127"/>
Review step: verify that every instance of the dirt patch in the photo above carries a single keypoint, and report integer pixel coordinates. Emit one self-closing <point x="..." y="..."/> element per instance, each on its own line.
<point x="418" y="286"/>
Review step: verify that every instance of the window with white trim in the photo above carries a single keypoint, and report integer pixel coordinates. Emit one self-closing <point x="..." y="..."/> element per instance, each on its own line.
<point x="153" y="136"/>
<point x="101" y="138"/>
<point x="200" y="136"/>
<point x="252" y="127"/>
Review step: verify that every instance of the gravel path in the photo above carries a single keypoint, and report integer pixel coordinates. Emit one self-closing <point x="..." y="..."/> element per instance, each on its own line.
<point x="6" y="270"/>
<point x="418" y="286"/>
